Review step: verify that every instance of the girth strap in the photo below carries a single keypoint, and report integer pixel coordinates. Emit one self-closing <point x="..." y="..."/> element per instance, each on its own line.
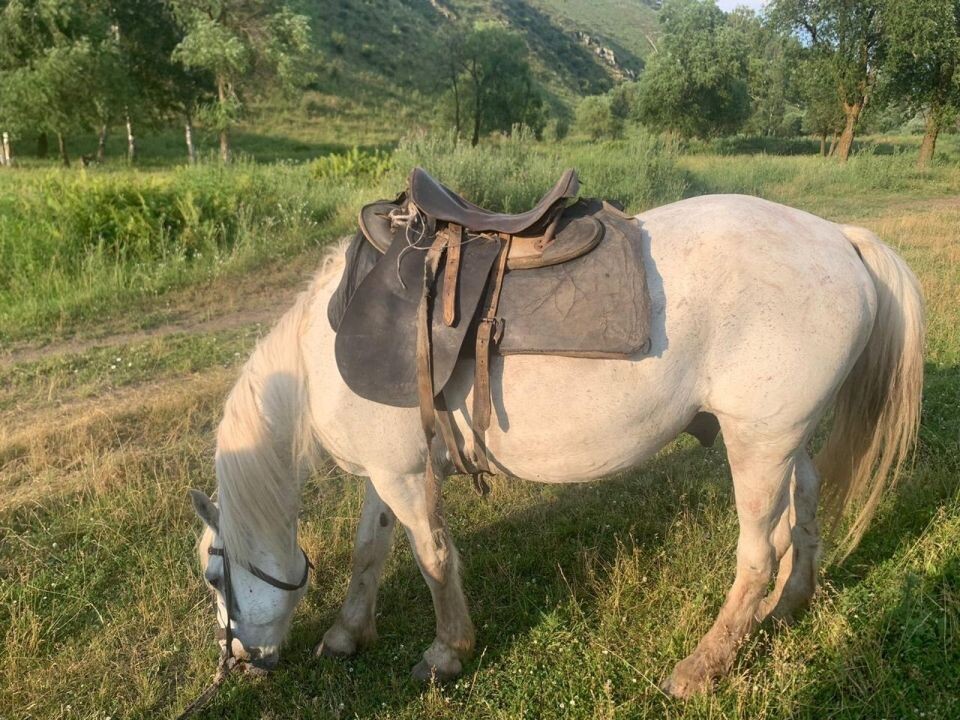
<point x="487" y="333"/>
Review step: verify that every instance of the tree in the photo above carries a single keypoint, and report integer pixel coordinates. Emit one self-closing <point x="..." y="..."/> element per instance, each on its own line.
<point x="694" y="84"/>
<point x="52" y="55"/>
<point x="491" y="84"/>
<point x="773" y="58"/>
<point x="846" y="36"/>
<point x="921" y="61"/>
<point x="823" y="113"/>
<point x="160" y="88"/>
<point x="242" y="44"/>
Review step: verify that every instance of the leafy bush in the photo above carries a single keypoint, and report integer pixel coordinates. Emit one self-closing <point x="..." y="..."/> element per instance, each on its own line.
<point x="595" y="118"/>
<point x="355" y="164"/>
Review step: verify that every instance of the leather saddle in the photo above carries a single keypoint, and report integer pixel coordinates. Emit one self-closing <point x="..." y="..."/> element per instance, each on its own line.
<point x="429" y="270"/>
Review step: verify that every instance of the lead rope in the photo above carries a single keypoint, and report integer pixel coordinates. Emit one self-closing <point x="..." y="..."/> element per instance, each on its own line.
<point x="227" y="660"/>
<point x="203" y="699"/>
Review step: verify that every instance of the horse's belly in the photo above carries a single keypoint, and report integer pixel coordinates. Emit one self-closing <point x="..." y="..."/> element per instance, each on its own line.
<point x="557" y="419"/>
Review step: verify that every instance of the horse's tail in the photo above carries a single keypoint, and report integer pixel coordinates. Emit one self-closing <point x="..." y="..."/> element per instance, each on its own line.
<point x="877" y="412"/>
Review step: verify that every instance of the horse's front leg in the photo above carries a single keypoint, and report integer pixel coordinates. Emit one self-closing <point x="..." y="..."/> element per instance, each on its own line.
<point x="356" y="624"/>
<point x="417" y="503"/>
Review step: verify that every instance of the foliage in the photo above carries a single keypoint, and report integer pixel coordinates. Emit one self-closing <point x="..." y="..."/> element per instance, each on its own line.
<point x="595" y="118"/>
<point x="490" y="80"/>
<point x="242" y="43"/>
<point x="694" y="85"/>
<point x="846" y="45"/>
<point x="922" y="60"/>
<point x="355" y="164"/>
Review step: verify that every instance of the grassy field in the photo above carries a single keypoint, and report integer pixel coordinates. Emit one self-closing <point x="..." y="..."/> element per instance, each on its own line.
<point x="128" y="300"/>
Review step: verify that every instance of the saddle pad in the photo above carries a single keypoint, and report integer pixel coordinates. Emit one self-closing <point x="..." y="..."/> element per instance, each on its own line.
<point x="596" y="305"/>
<point x="376" y="343"/>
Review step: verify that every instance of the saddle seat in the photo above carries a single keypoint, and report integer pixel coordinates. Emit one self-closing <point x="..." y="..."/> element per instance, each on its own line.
<point x="541" y="236"/>
<point x="440" y="202"/>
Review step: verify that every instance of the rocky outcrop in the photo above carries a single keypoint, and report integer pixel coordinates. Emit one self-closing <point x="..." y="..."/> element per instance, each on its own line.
<point x="606" y="54"/>
<point x="441" y="8"/>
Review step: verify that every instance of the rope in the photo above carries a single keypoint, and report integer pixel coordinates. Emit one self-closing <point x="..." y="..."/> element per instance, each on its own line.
<point x="203" y="699"/>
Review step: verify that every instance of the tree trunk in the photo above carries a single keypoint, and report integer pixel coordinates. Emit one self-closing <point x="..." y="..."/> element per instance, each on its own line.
<point x="102" y="143"/>
<point x="833" y="144"/>
<point x="4" y="151"/>
<point x="852" y="112"/>
<point x="476" y="106"/>
<point x="131" y="143"/>
<point x="456" y="107"/>
<point x="225" y="145"/>
<point x="929" y="144"/>
<point x="823" y="145"/>
<point x="225" y="131"/>
<point x="188" y="134"/>
<point x="62" y="144"/>
<point x="43" y="145"/>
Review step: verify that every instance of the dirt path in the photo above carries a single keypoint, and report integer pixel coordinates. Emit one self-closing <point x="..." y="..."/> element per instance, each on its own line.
<point x="259" y="296"/>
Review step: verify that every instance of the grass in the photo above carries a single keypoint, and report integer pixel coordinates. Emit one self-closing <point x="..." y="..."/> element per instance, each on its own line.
<point x="583" y="597"/>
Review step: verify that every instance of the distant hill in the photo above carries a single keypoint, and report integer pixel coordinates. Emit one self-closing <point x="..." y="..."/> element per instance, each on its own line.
<point x="375" y="62"/>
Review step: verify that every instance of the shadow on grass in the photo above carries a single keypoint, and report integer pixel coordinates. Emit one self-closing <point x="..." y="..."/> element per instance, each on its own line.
<point x="509" y="565"/>
<point x="512" y="584"/>
<point x="167" y="149"/>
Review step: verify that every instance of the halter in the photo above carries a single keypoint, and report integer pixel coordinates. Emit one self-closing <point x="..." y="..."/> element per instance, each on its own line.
<point x="225" y="633"/>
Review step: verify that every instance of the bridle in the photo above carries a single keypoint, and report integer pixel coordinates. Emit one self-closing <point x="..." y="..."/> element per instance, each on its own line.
<point x="226" y="633"/>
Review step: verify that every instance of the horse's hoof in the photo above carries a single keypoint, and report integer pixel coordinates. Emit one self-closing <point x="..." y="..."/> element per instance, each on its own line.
<point x="424" y="672"/>
<point x="337" y="643"/>
<point x="688" y="679"/>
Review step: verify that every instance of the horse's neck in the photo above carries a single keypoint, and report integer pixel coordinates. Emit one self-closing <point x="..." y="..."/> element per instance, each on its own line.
<point x="260" y="446"/>
<point x="266" y="441"/>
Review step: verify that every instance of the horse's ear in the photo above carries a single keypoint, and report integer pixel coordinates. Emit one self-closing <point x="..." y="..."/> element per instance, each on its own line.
<point x="208" y="512"/>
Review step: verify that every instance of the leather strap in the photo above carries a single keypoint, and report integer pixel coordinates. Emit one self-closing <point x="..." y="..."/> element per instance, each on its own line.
<point x="424" y="345"/>
<point x="486" y="333"/>
<point x="451" y="272"/>
<point x="226" y="632"/>
<point x="447" y="432"/>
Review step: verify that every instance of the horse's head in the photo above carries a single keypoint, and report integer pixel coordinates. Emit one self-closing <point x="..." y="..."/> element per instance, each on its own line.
<point x="254" y="602"/>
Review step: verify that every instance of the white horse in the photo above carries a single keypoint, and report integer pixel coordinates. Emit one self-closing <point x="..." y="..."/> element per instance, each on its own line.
<point x="763" y="315"/>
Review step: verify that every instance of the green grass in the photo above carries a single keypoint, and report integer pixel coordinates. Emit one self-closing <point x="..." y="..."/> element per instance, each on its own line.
<point x="583" y="597"/>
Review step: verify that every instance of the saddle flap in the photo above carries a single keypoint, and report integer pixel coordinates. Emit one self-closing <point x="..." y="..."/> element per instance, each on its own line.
<point x="376" y="339"/>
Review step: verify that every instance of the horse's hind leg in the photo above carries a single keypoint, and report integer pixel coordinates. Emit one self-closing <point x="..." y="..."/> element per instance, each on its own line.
<point x="417" y="505"/>
<point x="761" y="477"/>
<point x="356" y="624"/>
<point x="798" y="534"/>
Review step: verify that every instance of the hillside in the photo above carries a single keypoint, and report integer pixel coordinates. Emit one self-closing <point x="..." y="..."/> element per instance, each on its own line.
<point x="375" y="60"/>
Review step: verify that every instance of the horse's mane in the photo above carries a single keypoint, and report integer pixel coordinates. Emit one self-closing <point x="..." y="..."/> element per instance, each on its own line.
<point x="265" y="441"/>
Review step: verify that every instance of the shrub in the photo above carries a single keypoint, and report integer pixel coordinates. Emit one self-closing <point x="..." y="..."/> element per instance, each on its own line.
<point x="596" y="120"/>
<point x="355" y="164"/>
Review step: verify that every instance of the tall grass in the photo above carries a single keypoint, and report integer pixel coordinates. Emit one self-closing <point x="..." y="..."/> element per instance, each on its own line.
<point x="513" y="173"/>
<point x="76" y="246"/>
<point x="72" y="245"/>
